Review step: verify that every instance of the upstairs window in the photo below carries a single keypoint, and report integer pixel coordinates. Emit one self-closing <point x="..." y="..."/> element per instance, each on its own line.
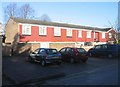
<point x="88" y="34"/>
<point x="26" y="30"/>
<point x="110" y="35"/>
<point x="57" y="31"/>
<point x="79" y="33"/>
<point x="69" y="32"/>
<point x="103" y="34"/>
<point x="42" y="30"/>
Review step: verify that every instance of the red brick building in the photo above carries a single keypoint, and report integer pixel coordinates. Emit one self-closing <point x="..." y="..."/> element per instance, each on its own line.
<point x="55" y="35"/>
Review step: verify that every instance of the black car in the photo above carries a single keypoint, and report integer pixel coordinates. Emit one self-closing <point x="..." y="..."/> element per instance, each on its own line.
<point x="109" y="50"/>
<point x="45" y="55"/>
<point x="73" y="54"/>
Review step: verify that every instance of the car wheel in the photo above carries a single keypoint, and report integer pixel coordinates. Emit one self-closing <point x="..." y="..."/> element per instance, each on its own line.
<point x="43" y="63"/>
<point x="72" y="60"/>
<point x="110" y="56"/>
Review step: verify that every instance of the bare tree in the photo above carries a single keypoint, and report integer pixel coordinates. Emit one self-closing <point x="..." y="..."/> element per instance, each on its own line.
<point x="10" y="11"/>
<point x="116" y="26"/>
<point x="26" y="12"/>
<point x="45" y="17"/>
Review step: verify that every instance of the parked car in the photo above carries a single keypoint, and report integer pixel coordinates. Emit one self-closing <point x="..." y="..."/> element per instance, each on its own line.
<point x="45" y="55"/>
<point x="73" y="54"/>
<point x="109" y="50"/>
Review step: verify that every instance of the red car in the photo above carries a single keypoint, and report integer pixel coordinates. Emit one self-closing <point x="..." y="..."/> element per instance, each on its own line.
<point x="73" y="54"/>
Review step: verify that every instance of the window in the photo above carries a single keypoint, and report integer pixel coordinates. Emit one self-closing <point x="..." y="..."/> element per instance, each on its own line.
<point x="52" y="51"/>
<point x="69" y="50"/>
<point x="103" y="34"/>
<point x="62" y="50"/>
<point x="88" y="34"/>
<point x="79" y="33"/>
<point x="110" y="35"/>
<point x="57" y="31"/>
<point x="42" y="50"/>
<point x="42" y="30"/>
<point x="81" y="50"/>
<point x="69" y="32"/>
<point x="98" y="47"/>
<point x="26" y="30"/>
<point x="104" y="46"/>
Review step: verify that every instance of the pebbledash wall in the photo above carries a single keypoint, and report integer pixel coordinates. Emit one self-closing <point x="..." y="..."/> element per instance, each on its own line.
<point x="37" y="34"/>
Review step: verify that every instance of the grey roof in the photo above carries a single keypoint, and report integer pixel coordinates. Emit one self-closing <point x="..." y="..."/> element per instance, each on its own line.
<point x="39" y="22"/>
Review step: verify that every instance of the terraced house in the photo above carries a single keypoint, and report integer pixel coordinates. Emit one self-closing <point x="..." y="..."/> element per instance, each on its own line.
<point x="36" y="33"/>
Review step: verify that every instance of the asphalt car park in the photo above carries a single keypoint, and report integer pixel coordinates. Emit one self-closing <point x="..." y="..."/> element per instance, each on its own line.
<point x="96" y="71"/>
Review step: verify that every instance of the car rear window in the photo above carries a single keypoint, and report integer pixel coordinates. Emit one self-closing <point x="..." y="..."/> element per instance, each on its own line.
<point x="81" y="50"/>
<point x="52" y="51"/>
<point x="113" y="47"/>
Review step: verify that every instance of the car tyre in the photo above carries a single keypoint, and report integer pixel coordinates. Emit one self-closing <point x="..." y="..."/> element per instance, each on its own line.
<point x="43" y="63"/>
<point x="72" y="60"/>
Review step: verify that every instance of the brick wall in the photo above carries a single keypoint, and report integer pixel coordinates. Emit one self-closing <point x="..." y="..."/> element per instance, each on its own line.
<point x="6" y="49"/>
<point x="11" y="32"/>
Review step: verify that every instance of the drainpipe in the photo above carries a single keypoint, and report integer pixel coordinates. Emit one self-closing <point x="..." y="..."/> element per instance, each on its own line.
<point x="93" y="36"/>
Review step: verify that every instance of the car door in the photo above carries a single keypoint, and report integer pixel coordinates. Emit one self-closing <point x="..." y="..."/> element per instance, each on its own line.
<point x="69" y="54"/>
<point x="63" y="53"/>
<point x="104" y="50"/>
<point x="41" y="53"/>
<point x="97" y="50"/>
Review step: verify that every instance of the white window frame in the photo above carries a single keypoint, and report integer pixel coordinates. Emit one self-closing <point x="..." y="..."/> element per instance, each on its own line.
<point x="88" y="34"/>
<point x="69" y="32"/>
<point x="103" y="34"/>
<point x="79" y="33"/>
<point x="110" y="35"/>
<point x="26" y="30"/>
<point x="42" y="30"/>
<point x="57" y="31"/>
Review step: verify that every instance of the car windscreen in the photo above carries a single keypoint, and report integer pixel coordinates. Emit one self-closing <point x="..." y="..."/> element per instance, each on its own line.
<point x="51" y="51"/>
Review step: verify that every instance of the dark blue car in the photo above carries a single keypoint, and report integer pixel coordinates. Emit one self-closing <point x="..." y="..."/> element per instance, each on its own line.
<point x="108" y="50"/>
<point x="45" y="55"/>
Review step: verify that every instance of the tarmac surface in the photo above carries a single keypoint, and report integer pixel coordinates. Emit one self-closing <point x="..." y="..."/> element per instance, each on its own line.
<point x="96" y="71"/>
